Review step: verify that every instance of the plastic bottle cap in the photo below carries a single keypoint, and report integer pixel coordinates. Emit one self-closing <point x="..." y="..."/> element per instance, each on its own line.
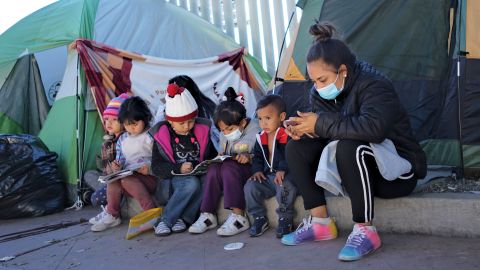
<point x="233" y="246"/>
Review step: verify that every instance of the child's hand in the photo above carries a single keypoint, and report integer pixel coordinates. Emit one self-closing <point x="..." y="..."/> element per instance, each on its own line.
<point x="186" y="167"/>
<point x="243" y="158"/>
<point x="279" y="176"/>
<point x="258" y="176"/>
<point x="143" y="170"/>
<point x="116" y="166"/>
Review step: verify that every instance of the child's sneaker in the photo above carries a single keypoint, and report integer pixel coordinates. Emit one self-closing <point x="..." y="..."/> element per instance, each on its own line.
<point x="308" y="231"/>
<point x="260" y="225"/>
<point x="162" y="229"/>
<point x="285" y="226"/>
<point x="205" y="222"/>
<point x="106" y="221"/>
<point x="95" y="219"/>
<point x="234" y="224"/>
<point x="179" y="226"/>
<point x="362" y="241"/>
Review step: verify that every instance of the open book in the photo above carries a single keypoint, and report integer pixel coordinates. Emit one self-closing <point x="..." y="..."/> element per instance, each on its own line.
<point x="201" y="168"/>
<point x="114" y="176"/>
<point x="118" y="175"/>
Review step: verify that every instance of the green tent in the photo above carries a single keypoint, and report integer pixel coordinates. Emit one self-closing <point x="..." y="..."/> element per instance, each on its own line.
<point x="34" y="52"/>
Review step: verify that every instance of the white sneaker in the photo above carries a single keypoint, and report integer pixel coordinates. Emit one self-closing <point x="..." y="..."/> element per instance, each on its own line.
<point x="234" y="224"/>
<point x="162" y="229"/>
<point x="105" y="222"/>
<point x="179" y="226"/>
<point x="205" y="222"/>
<point x="94" y="220"/>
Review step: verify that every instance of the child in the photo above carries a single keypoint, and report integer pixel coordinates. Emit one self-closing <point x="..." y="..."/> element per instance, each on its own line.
<point x="237" y="139"/>
<point x="108" y="153"/>
<point x="206" y="107"/>
<point x="133" y="151"/>
<point x="269" y="167"/>
<point x="181" y="143"/>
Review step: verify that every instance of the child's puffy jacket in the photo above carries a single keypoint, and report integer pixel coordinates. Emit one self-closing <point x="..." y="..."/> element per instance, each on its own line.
<point x="163" y="161"/>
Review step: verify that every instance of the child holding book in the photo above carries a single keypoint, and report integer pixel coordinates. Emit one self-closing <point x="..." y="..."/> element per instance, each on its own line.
<point x="269" y="168"/>
<point x="133" y="152"/>
<point x="181" y="143"/>
<point x="237" y="139"/>
<point x="113" y="130"/>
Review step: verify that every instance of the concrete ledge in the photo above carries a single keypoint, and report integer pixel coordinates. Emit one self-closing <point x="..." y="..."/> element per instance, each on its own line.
<point x="442" y="214"/>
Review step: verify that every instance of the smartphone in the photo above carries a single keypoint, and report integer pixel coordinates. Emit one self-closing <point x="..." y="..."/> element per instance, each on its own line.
<point x="290" y="123"/>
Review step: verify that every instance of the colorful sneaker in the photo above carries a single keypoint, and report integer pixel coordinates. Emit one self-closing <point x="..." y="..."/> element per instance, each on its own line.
<point x="285" y="226"/>
<point x="308" y="231"/>
<point x="205" y="222"/>
<point x="162" y="229"/>
<point x="179" y="226"/>
<point x="97" y="218"/>
<point x="260" y="225"/>
<point x="105" y="222"/>
<point x="362" y="241"/>
<point x="234" y="224"/>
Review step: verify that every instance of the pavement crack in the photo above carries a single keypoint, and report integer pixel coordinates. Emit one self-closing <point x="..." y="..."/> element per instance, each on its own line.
<point x="69" y="250"/>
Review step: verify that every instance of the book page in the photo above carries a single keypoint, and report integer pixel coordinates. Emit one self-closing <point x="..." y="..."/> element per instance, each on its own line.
<point x="202" y="167"/>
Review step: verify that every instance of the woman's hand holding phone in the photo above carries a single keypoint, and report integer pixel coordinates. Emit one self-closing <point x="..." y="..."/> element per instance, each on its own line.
<point x="304" y="124"/>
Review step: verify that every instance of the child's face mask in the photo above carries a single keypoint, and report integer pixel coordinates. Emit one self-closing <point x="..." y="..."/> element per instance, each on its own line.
<point x="232" y="132"/>
<point x="234" y="135"/>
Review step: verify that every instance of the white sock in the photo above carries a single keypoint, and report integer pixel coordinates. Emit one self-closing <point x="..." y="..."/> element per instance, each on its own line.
<point x="324" y="221"/>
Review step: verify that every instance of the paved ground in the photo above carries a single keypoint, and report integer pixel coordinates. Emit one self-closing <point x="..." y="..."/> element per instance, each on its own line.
<point x="109" y="250"/>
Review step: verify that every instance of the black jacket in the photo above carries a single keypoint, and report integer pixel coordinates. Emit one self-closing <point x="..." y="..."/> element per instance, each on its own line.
<point x="163" y="162"/>
<point x="260" y="162"/>
<point x="368" y="109"/>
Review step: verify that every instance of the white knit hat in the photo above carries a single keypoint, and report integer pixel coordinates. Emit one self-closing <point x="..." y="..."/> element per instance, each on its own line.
<point x="180" y="105"/>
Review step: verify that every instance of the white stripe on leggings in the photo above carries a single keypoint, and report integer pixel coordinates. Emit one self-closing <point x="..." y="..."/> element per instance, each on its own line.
<point x="362" y="167"/>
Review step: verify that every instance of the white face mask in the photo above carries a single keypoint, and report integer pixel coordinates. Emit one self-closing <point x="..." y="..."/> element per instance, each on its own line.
<point x="234" y="135"/>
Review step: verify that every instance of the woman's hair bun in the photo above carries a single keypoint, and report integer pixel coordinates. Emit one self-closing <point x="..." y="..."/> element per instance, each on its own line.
<point x="230" y="94"/>
<point x="322" y="31"/>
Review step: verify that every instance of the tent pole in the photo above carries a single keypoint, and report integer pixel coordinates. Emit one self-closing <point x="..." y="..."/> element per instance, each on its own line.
<point x="275" y="79"/>
<point x="78" y="203"/>
<point x="461" y="54"/>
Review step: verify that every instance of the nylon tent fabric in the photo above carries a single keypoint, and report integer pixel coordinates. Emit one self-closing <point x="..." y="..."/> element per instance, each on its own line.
<point x="471" y="97"/>
<point x="52" y="26"/>
<point x="111" y="72"/>
<point x="171" y="37"/>
<point x="24" y="87"/>
<point x="386" y="33"/>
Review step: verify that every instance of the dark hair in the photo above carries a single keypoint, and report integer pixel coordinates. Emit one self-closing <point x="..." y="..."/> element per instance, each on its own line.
<point x="230" y="111"/>
<point x="135" y="109"/>
<point x="206" y="107"/>
<point x="274" y="100"/>
<point x="330" y="50"/>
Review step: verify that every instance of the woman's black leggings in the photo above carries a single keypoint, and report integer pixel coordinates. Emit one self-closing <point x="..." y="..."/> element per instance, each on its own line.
<point x="358" y="171"/>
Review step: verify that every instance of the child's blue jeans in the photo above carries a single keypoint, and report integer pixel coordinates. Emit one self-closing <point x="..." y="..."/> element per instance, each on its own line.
<point x="256" y="192"/>
<point x="185" y="200"/>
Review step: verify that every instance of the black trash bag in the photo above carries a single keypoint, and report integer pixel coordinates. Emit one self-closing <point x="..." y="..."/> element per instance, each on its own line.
<point x="30" y="184"/>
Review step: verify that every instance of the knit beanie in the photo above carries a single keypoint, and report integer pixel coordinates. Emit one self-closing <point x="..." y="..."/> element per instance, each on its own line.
<point x="113" y="106"/>
<point x="180" y="105"/>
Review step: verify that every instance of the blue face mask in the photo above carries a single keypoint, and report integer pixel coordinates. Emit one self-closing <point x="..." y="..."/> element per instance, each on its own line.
<point x="330" y="91"/>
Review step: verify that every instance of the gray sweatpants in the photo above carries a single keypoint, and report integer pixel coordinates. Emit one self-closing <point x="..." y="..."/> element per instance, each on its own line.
<point x="257" y="192"/>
